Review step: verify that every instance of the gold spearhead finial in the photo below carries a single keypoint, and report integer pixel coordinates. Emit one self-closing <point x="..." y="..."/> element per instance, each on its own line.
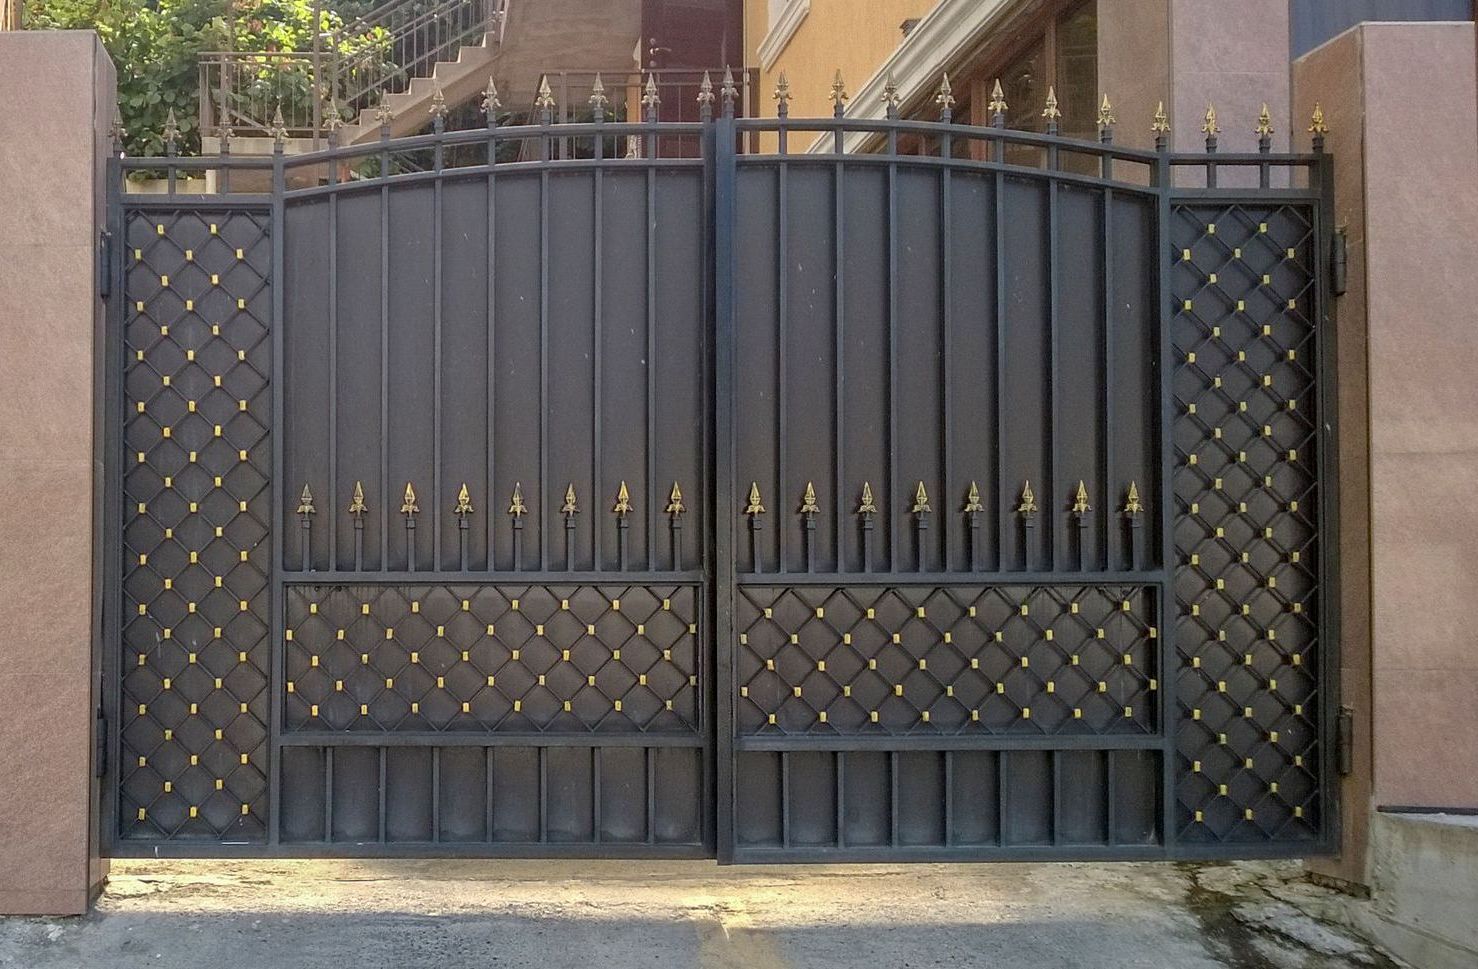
<point x="464" y="502"/>
<point x="490" y="102"/>
<point x="1209" y="126"/>
<point x="544" y="100"/>
<point x="356" y="504"/>
<point x="808" y="501"/>
<point x="1051" y="112"/>
<point x="1132" y="505"/>
<point x="755" y="506"/>
<point x="650" y="98"/>
<point x="1161" y="124"/>
<point x="516" y="507"/>
<point x="622" y="506"/>
<point x="675" y="500"/>
<point x="438" y="104"/>
<point x="838" y="90"/>
<point x="920" y="501"/>
<point x="891" y="98"/>
<point x="305" y="502"/>
<point x="383" y="114"/>
<point x="782" y="90"/>
<point x="972" y="500"/>
<point x="1264" y="127"/>
<point x="598" y="99"/>
<point x="278" y="130"/>
<point x="705" y="90"/>
<point x="1316" y="124"/>
<point x="408" y="504"/>
<point x="727" y="89"/>
<point x="1080" y="501"/>
<point x="945" y="97"/>
<point x="868" y="506"/>
<point x="1028" y="504"/>
<point x="997" y="103"/>
<point x="570" y="507"/>
<point x="1106" y="117"/>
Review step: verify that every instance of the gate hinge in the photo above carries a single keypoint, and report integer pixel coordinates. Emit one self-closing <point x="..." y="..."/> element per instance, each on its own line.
<point x="1344" y="741"/>
<point x="105" y="264"/>
<point x="1339" y="262"/>
<point x="100" y="738"/>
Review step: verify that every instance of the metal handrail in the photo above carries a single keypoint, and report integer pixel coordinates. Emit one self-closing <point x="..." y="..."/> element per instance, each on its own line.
<point x="352" y="66"/>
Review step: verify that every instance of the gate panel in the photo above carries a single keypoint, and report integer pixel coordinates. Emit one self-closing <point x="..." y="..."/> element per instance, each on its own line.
<point x="196" y="645"/>
<point x="1248" y="511"/>
<point x="921" y="616"/>
<point x="538" y="390"/>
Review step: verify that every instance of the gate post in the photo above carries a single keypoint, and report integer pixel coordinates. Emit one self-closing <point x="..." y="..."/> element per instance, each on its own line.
<point x="57" y="91"/>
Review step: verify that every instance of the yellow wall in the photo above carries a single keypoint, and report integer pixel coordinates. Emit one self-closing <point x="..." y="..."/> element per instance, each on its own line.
<point x="853" y="35"/>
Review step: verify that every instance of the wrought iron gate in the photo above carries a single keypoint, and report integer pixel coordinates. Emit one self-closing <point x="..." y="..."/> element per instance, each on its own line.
<point x="939" y="491"/>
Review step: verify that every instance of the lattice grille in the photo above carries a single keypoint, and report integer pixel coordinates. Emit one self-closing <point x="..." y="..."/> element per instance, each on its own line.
<point x="195" y="662"/>
<point x="515" y="658"/>
<point x="1002" y="659"/>
<point x="1246" y="522"/>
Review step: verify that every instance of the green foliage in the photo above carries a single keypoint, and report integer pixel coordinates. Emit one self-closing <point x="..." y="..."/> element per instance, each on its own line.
<point x="155" y="45"/>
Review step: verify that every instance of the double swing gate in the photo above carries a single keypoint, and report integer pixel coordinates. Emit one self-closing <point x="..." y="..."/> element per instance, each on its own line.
<point x="760" y="488"/>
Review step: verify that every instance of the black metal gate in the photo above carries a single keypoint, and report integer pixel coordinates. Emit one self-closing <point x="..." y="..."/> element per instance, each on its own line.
<point x="937" y="491"/>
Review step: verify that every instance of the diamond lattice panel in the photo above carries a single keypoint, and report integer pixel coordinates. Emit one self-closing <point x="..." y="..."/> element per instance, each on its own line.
<point x="554" y="659"/>
<point x="919" y="660"/>
<point x="195" y="594"/>
<point x="1246" y="523"/>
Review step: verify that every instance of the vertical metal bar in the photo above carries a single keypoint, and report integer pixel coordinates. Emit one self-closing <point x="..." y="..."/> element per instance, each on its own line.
<point x="328" y="794"/>
<point x="649" y="774"/>
<point x="893" y="798"/>
<point x="782" y="336"/>
<point x="721" y="151"/>
<point x="543" y="488"/>
<point x="595" y="794"/>
<point x="1108" y="511"/>
<point x="543" y="794"/>
<point x="841" y="798"/>
<point x="1003" y="516"/>
<point x="949" y="798"/>
<point x="1111" y="798"/>
<point x="382" y="795"/>
<point x="436" y="406"/>
<point x="384" y="356"/>
<point x="493" y="500"/>
<point x="1056" y="757"/>
<point x="435" y="794"/>
<point x="649" y="490"/>
<point x="331" y="513"/>
<point x="598" y="248"/>
<point x="891" y="516"/>
<point x="1165" y="501"/>
<point x="1054" y="425"/>
<point x="488" y="819"/>
<point x="839" y="392"/>
<point x="785" y="795"/>
<point x="275" y="590"/>
<point x="110" y="686"/>
<point x="946" y="315"/>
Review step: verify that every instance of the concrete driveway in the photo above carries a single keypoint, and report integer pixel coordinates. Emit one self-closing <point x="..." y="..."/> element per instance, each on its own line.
<point x="621" y="915"/>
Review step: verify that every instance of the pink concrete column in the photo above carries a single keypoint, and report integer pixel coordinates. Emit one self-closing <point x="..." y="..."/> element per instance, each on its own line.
<point x="56" y="101"/>
<point x="1189" y="53"/>
<point x="1402" y="103"/>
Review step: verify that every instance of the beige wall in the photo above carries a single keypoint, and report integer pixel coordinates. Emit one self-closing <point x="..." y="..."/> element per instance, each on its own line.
<point x="52" y="139"/>
<point x="1402" y="103"/>
<point x="836" y="35"/>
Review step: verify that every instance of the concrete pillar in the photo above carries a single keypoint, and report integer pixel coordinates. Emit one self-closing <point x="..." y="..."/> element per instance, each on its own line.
<point x="1189" y="53"/>
<point x="1402" y="104"/>
<point x="56" y="101"/>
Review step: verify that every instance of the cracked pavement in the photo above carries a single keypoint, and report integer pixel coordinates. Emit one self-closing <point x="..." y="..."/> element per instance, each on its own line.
<point x="398" y="913"/>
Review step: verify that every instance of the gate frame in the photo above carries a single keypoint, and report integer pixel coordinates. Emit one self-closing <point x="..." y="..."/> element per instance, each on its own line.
<point x="721" y="139"/>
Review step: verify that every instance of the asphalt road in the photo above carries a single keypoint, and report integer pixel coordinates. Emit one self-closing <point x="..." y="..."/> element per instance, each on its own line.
<point x="623" y="915"/>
